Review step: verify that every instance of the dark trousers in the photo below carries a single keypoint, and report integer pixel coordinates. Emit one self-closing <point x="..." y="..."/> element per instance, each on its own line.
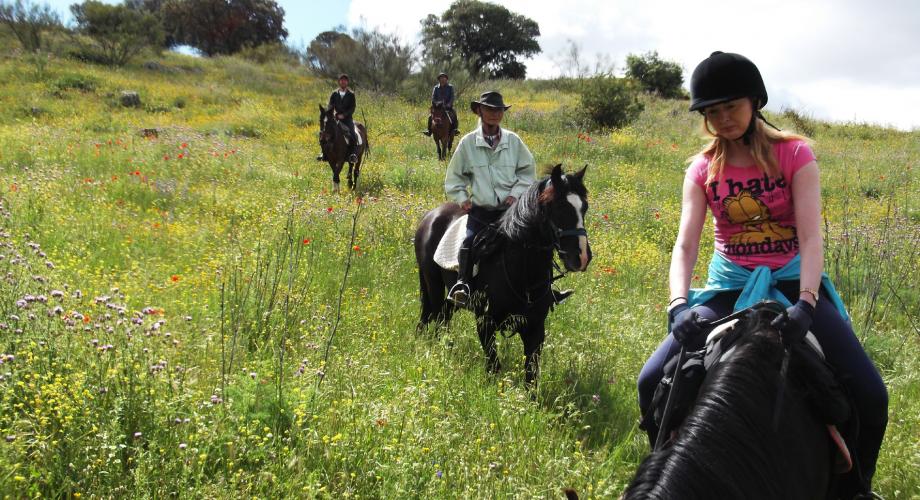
<point x="479" y="219"/>
<point x="841" y="349"/>
<point x="348" y="125"/>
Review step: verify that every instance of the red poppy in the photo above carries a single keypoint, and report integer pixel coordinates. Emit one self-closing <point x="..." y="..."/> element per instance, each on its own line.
<point x="166" y="157"/>
<point x="356" y="248"/>
<point x="174" y="278"/>
<point x="114" y="177"/>
<point x="184" y="145"/>
<point x="657" y="215"/>
<point x="674" y="147"/>
<point x="14" y="187"/>
<point x="181" y="156"/>
<point x="606" y="217"/>
<point x="329" y="210"/>
<point x="306" y="241"/>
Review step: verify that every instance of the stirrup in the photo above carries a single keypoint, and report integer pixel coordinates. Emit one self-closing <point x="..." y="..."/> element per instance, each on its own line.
<point x="321" y="158"/>
<point x="459" y="294"/>
<point x="427" y="132"/>
<point x="559" y="296"/>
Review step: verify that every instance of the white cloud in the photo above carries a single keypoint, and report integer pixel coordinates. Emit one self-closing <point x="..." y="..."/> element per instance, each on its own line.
<point x="837" y="59"/>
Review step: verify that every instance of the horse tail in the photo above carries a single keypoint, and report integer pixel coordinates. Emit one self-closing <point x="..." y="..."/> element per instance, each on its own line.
<point x="367" y="142"/>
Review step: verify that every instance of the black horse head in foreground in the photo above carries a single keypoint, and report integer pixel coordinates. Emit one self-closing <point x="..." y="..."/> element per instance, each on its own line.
<point x="513" y="287"/>
<point x="333" y="143"/>
<point x="728" y="446"/>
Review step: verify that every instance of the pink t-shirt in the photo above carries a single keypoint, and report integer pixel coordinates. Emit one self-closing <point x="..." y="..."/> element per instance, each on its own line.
<point x="753" y="212"/>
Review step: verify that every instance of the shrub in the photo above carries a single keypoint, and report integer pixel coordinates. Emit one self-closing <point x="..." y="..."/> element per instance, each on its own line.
<point x="802" y="124"/>
<point x="74" y="81"/>
<point x="664" y="78"/>
<point x="610" y="102"/>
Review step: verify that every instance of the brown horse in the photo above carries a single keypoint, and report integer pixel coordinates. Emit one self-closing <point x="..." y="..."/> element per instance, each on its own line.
<point x="335" y="149"/>
<point x="441" y="130"/>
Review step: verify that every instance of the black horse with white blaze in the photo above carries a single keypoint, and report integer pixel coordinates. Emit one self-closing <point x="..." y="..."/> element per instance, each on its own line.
<point x="752" y="433"/>
<point x="512" y="290"/>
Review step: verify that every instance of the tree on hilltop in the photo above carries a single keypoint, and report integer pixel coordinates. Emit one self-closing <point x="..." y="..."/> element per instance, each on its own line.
<point x="27" y="21"/>
<point x="664" y="78"/>
<point x="488" y="36"/>
<point x="223" y="26"/>
<point x="372" y="59"/>
<point x="118" y="32"/>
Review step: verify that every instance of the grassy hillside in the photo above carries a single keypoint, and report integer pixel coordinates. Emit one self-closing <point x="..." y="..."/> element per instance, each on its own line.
<point x="168" y="303"/>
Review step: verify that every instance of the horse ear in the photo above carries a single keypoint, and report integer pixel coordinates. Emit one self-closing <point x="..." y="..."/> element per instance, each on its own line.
<point x="322" y="109"/>
<point x="556" y="175"/>
<point x="581" y="173"/>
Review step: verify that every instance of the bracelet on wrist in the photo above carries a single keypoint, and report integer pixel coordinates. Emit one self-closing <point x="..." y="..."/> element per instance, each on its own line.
<point x="811" y="291"/>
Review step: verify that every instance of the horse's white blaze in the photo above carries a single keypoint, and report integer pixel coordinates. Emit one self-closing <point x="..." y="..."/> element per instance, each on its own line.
<point x="576" y="203"/>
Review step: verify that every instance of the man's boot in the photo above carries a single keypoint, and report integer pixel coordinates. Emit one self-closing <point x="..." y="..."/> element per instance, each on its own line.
<point x="352" y="157"/>
<point x="460" y="293"/>
<point x="559" y="296"/>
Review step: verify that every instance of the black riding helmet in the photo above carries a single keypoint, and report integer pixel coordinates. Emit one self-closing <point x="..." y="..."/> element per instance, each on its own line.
<point x="724" y="76"/>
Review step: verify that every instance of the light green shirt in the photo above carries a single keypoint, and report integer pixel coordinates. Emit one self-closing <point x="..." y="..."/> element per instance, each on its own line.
<point x="487" y="176"/>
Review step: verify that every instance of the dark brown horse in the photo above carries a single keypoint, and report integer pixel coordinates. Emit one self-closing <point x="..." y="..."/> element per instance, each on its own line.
<point x="752" y="432"/>
<point x="335" y="149"/>
<point x="441" y="130"/>
<point x="512" y="290"/>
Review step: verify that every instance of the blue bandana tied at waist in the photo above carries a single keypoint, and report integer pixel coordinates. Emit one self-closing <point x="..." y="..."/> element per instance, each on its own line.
<point x="756" y="285"/>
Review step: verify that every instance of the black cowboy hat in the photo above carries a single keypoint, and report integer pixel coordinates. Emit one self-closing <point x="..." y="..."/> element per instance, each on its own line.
<point x="343" y="75"/>
<point x="723" y="77"/>
<point x="443" y="74"/>
<point x="491" y="99"/>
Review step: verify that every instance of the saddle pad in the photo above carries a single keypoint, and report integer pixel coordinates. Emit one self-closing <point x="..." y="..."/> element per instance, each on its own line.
<point x="449" y="246"/>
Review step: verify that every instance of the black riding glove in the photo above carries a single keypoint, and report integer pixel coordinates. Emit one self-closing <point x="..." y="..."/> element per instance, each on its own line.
<point x="793" y="324"/>
<point x="685" y="323"/>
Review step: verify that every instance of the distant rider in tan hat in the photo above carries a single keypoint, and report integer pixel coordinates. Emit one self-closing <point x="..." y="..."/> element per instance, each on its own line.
<point x="489" y="170"/>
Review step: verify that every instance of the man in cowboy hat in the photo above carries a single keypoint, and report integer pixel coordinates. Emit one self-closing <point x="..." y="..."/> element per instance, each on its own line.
<point x="342" y="102"/>
<point x="489" y="170"/>
<point x="443" y="92"/>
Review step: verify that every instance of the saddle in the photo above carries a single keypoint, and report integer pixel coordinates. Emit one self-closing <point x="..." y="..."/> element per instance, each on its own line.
<point x="826" y="397"/>
<point x="485" y="243"/>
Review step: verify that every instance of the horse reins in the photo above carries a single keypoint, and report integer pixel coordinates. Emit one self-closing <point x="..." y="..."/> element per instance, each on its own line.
<point x="675" y="378"/>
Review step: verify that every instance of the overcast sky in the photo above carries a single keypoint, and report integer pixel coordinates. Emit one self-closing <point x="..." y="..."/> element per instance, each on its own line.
<point x="843" y="60"/>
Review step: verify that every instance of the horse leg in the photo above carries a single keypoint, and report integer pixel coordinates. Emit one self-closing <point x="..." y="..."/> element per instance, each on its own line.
<point x="351" y="182"/>
<point x="532" y="334"/>
<point x="336" y="176"/>
<point x="486" y="329"/>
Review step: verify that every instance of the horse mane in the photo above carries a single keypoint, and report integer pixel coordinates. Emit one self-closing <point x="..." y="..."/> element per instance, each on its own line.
<point x="525" y="214"/>
<point x="722" y="429"/>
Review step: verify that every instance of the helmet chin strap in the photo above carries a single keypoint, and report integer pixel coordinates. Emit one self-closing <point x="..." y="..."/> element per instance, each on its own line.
<point x="750" y="129"/>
